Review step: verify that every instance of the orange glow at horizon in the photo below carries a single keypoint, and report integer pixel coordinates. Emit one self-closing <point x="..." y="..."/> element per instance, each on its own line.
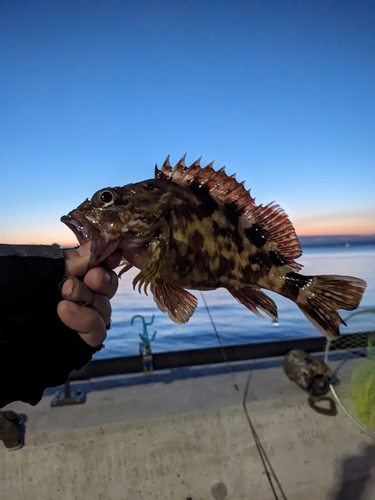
<point x="343" y="224"/>
<point x="338" y="224"/>
<point x="36" y="236"/>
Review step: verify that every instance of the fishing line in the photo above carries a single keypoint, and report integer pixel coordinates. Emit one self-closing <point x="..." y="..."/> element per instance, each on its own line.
<point x="268" y="469"/>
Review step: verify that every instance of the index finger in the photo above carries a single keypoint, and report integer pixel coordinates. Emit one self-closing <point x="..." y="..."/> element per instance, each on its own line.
<point x="113" y="260"/>
<point x="100" y="280"/>
<point x="77" y="260"/>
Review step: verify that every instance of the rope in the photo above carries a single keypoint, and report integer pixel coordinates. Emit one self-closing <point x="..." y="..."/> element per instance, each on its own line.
<point x="268" y="469"/>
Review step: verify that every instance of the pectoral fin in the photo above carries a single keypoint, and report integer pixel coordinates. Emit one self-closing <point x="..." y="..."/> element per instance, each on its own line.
<point x="125" y="267"/>
<point x="159" y="257"/>
<point x="177" y="302"/>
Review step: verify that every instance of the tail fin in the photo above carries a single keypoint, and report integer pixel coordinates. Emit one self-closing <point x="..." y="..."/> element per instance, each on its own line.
<point x="320" y="300"/>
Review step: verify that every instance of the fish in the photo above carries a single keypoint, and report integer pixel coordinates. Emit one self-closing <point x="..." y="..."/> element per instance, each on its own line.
<point x="197" y="228"/>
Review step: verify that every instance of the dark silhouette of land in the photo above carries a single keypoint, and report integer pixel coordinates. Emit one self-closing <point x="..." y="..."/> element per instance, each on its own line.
<point x="337" y="240"/>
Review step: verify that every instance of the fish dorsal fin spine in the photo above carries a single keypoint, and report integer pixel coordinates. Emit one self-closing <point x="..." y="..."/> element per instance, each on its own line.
<point x="165" y="171"/>
<point x="217" y="183"/>
<point x="275" y="223"/>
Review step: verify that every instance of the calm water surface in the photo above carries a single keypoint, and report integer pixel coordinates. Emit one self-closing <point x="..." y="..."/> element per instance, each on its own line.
<point x="235" y="324"/>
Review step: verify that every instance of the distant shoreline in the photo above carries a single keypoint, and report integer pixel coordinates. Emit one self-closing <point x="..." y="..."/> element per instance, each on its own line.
<point x="340" y="240"/>
<point x="336" y="240"/>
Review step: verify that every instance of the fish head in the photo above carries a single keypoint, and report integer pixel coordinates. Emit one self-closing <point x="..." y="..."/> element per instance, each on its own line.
<point x="123" y="217"/>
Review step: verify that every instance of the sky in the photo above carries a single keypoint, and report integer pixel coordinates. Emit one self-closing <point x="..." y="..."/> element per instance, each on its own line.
<point x="94" y="93"/>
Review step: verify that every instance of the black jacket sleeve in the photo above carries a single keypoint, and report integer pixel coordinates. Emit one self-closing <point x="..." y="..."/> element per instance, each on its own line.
<point x="36" y="349"/>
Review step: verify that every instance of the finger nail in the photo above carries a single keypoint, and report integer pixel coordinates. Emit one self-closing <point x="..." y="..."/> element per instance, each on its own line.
<point x="67" y="287"/>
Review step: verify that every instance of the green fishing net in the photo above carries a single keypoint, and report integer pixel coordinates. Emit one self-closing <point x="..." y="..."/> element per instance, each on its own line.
<point x="363" y="387"/>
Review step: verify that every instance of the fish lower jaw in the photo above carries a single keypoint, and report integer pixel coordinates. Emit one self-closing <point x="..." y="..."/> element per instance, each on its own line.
<point x="81" y="232"/>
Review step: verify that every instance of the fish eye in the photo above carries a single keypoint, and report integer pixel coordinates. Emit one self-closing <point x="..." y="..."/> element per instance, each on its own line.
<point x="106" y="197"/>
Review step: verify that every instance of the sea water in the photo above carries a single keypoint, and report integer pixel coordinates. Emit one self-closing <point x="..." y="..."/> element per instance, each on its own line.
<point x="234" y="323"/>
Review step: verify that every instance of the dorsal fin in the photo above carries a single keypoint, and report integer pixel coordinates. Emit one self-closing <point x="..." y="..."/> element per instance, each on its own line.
<point x="166" y="169"/>
<point x="275" y="223"/>
<point x="217" y="183"/>
<point x="278" y="230"/>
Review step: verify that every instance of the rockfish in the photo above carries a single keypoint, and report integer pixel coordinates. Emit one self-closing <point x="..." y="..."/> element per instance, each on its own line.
<point x="197" y="228"/>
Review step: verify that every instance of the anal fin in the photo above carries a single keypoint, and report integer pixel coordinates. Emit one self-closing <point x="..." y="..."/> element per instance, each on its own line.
<point x="174" y="300"/>
<point x="253" y="298"/>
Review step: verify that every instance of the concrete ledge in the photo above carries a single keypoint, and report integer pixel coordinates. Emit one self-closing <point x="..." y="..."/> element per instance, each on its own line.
<point x="177" y="436"/>
<point x="194" y="357"/>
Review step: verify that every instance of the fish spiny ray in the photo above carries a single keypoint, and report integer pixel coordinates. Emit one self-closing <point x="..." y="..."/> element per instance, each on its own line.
<point x="182" y="160"/>
<point x="220" y="179"/>
<point x="190" y="173"/>
<point x="179" y="169"/>
<point x="165" y="171"/>
<point x="217" y="183"/>
<point x="166" y="163"/>
<point x="204" y="176"/>
<point x="227" y="189"/>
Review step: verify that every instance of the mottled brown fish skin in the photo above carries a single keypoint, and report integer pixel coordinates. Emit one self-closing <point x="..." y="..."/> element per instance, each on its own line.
<point x="208" y="248"/>
<point x="197" y="228"/>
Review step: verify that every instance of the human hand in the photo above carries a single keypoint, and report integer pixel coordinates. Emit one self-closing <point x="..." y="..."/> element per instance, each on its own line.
<point x="98" y="286"/>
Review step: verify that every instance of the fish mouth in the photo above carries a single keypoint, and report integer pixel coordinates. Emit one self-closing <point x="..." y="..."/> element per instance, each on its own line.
<point x="81" y="227"/>
<point x="102" y="244"/>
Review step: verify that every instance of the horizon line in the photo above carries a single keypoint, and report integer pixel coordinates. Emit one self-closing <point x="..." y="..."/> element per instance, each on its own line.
<point x="71" y="243"/>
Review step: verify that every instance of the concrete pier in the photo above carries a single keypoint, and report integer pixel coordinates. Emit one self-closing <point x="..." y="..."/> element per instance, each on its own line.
<point x="186" y="434"/>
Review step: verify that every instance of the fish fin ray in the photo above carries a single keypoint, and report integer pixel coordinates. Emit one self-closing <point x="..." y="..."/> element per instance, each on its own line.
<point x="177" y="302"/>
<point x="125" y="267"/>
<point x="216" y="183"/>
<point x="146" y="276"/>
<point x="253" y="298"/>
<point x="160" y="254"/>
<point x="320" y="301"/>
<point x="278" y="231"/>
<point x="165" y="171"/>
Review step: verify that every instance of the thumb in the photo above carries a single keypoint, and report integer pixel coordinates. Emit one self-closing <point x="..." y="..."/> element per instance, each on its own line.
<point x="77" y="260"/>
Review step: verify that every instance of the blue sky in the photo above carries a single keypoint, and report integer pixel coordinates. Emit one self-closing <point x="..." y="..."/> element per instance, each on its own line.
<point x="94" y="93"/>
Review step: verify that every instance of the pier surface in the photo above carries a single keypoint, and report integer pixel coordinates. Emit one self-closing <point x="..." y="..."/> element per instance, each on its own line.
<point x="195" y="433"/>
